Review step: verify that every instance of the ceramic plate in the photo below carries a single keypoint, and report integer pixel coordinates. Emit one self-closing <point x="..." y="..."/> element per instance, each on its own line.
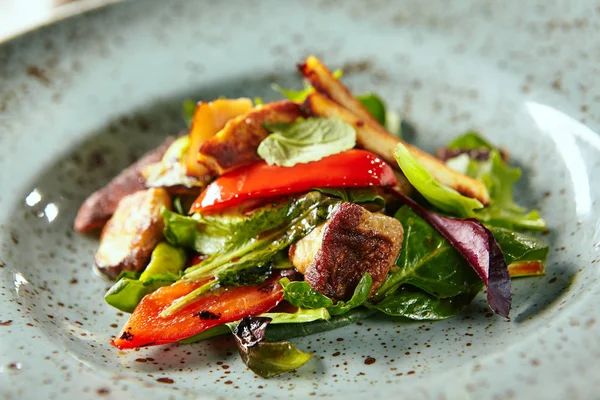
<point x="81" y="99"/>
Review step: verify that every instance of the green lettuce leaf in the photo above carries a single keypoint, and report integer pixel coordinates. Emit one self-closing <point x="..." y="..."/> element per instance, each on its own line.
<point x="442" y="197"/>
<point x="307" y="140"/>
<point x="409" y="302"/>
<point x="300" y="294"/>
<point x="126" y="294"/>
<point x="499" y="179"/>
<point x="164" y="268"/>
<point x="428" y="261"/>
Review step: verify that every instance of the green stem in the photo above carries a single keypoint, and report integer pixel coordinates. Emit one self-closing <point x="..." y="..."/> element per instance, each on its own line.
<point x="188" y="299"/>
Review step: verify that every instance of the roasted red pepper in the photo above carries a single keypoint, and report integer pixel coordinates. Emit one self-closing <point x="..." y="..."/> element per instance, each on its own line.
<point x="147" y="328"/>
<point x="352" y="168"/>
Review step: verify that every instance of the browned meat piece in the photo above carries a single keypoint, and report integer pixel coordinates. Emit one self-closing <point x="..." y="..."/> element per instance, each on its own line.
<point x="335" y="255"/>
<point x="235" y="145"/>
<point x="129" y="237"/>
<point x="101" y="204"/>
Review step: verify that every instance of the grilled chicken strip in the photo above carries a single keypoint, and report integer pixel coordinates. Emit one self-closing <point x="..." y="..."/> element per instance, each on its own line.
<point x="101" y="204"/>
<point x="129" y="237"/>
<point x="335" y="255"/>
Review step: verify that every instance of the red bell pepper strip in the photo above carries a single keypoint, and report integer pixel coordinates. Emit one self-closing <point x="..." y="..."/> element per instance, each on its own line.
<point x="352" y="168"/>
<point x="147" y="328"/>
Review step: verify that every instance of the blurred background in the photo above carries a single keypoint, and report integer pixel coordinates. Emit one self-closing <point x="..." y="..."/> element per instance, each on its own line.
<point x="17" y="16"/>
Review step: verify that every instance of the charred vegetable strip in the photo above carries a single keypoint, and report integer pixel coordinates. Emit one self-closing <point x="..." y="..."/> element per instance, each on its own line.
<point x="146" y="328"/>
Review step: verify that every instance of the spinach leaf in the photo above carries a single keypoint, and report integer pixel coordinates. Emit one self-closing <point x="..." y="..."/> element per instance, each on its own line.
<point x="519" y="247"/>
<point x="300" y="294"/>
<point x="477" y="245"/>
<point x="307" y="140"/>
<point x="286" y="320"/>
<point x="359" y="297"/>
<point x="374" y="105"/>
<point x="265" y="358"/>
<point x="355" y="195"/>
<point x="428" y="261"/>
<point x="288" y="331"/>
<point x="415" y="304"/>
<point x="164" y="268"/>
<point x="442" y="197"/>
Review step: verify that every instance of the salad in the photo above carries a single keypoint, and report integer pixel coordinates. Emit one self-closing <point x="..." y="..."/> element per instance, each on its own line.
<point x="269" y="221"/>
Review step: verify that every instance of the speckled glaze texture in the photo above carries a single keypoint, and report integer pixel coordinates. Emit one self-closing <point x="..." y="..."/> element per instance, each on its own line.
<point x="81" y="99"/>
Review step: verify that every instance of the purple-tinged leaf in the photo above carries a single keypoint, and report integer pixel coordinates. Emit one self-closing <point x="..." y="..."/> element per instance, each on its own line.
<point x="265" y="358"/>
<point x="479" y="248"/>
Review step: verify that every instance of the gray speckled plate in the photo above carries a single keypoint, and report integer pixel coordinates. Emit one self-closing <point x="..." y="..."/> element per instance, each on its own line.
<point x="82" y="98"/>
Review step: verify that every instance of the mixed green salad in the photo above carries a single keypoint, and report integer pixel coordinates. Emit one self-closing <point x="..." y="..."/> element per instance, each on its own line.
<point x="269" y="221"/>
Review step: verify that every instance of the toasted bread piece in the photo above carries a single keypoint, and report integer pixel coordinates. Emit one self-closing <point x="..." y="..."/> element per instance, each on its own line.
<point x="209" y="118"/>
<point x="376" y="139"/>
<point x="235" y="145"/>
<point x="129" y="237"/>
<point x="354" y="241"/>
<point x="101" y="204"/>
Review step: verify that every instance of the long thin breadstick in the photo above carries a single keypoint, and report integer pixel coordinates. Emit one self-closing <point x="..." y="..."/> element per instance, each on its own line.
<point x="334" y="99"/>
<point x="379" y="141"/>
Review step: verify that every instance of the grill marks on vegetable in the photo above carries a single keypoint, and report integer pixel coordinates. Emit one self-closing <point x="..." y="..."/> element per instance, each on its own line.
<point x="127" y="336"/>
<point x="207" y="315"/>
